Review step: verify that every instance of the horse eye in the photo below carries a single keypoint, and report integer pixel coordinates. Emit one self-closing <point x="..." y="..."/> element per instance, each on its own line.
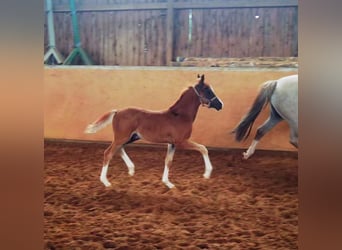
<point x="208" y="90"/>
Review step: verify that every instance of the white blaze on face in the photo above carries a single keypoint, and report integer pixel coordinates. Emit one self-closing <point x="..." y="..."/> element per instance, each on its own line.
<point x="212" y="89"/>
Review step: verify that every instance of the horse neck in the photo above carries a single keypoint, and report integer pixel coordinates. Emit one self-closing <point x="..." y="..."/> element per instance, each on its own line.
<point x="187" y="105"/>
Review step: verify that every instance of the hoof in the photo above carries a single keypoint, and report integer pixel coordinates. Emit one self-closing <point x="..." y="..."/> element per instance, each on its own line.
<point x="131" y="173"/>
<point x="169" y="185"/>
<point x="206" y="176"/>
<point x="245" y="156"/>
<point x="106" y="183"/>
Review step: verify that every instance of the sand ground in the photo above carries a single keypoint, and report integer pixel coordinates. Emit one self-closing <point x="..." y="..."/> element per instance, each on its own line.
<point x="249" y="204"/>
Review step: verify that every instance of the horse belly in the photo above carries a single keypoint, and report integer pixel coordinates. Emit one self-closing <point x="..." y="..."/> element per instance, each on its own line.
<point x="161" y="130"/>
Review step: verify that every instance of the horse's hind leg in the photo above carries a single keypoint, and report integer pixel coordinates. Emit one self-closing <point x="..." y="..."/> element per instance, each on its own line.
<point x="203" y="150"/>
<point x="134" y="137"/>
<point x="108" y="155"/>
<point x="294" y="137"/>
<point x="250" y="151"/>
<point x="128" y="161"/>
<point x="273" y="120"/>
<point x="168" y="161"/>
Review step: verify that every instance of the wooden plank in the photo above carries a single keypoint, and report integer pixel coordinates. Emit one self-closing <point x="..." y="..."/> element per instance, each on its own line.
<point x="255" y="37"/>
<point x="111" y="40"/>
<point x="140" y="38"/>
<point x="115" y="38"/>
<point x="206" y="33"/>
<point x="194" y="45"/>
<point x="120" y="39"/>
<point x="145" y="39"/>
<point x="112" y="7"/>
<point x="196" y="33"/>
<point x="169" y="32"/>
<point x="235" y="4"/>
<point x="106" y="43"/>
<point x="161" y="46"/>
<point x="155" y="42"/>
<point x="148" y="38"/>
<point x="126" y="33"/>
<point x="181" y="39"/>
<point x="94" y="35"/>
<point x="179" y="5"/>
<point x="134" y="37"/>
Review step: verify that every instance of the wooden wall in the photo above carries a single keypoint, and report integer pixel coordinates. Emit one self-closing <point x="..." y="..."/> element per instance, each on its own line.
<point x="236" y="32"/>
<point x="133" y="38"/>
<point x="114" y="33"/>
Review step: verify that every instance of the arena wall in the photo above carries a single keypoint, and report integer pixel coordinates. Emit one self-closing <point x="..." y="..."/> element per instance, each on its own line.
<point x="76" y="96"/>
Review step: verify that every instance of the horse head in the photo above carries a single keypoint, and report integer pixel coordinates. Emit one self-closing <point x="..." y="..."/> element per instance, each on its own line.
<point x="206" y="94"/>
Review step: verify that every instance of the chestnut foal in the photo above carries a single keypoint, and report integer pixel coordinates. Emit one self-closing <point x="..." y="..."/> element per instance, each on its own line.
<point x="172" y="126"/>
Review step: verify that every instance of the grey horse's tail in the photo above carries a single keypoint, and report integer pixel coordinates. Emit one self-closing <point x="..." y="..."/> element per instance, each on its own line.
<point x="244" y="127"/>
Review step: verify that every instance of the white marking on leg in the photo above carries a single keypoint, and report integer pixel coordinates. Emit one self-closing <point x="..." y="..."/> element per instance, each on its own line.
<point x="168" y="160"/>
<point x="250" y="151"/>
<point x="129" y="163"/>
<point x="204" y="152"/>
<point x="103" y="176"/>
<point x="208" y="166"/>
<point x="165" y="178"/>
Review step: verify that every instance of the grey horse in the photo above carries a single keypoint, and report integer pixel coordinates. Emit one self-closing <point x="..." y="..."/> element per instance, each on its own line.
<point x="282" y="94"/>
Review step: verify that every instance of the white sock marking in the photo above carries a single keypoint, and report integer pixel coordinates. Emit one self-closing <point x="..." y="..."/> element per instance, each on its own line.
<point x="169" y="157"/>
<point x="250" y="150"/>
<point x="128" y="162"/>
<point x="165" y="178"/>
<point x="103" y="176"/>
<point x="208" y="166"/>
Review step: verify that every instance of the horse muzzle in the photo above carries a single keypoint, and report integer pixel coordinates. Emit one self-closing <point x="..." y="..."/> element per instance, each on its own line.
<point x="216" y="104"/>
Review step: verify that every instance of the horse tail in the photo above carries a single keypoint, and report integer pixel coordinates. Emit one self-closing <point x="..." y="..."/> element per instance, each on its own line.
<point x="243" y="129"/>
<point x="100" y="122"/>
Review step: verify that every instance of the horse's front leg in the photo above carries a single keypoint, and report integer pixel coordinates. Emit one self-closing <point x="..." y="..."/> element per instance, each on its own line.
<point x="203" y="150"/>
<point x="168" y="161"/>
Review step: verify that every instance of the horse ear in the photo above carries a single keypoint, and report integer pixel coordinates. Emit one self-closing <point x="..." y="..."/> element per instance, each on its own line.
<point x="200" y="78"/>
